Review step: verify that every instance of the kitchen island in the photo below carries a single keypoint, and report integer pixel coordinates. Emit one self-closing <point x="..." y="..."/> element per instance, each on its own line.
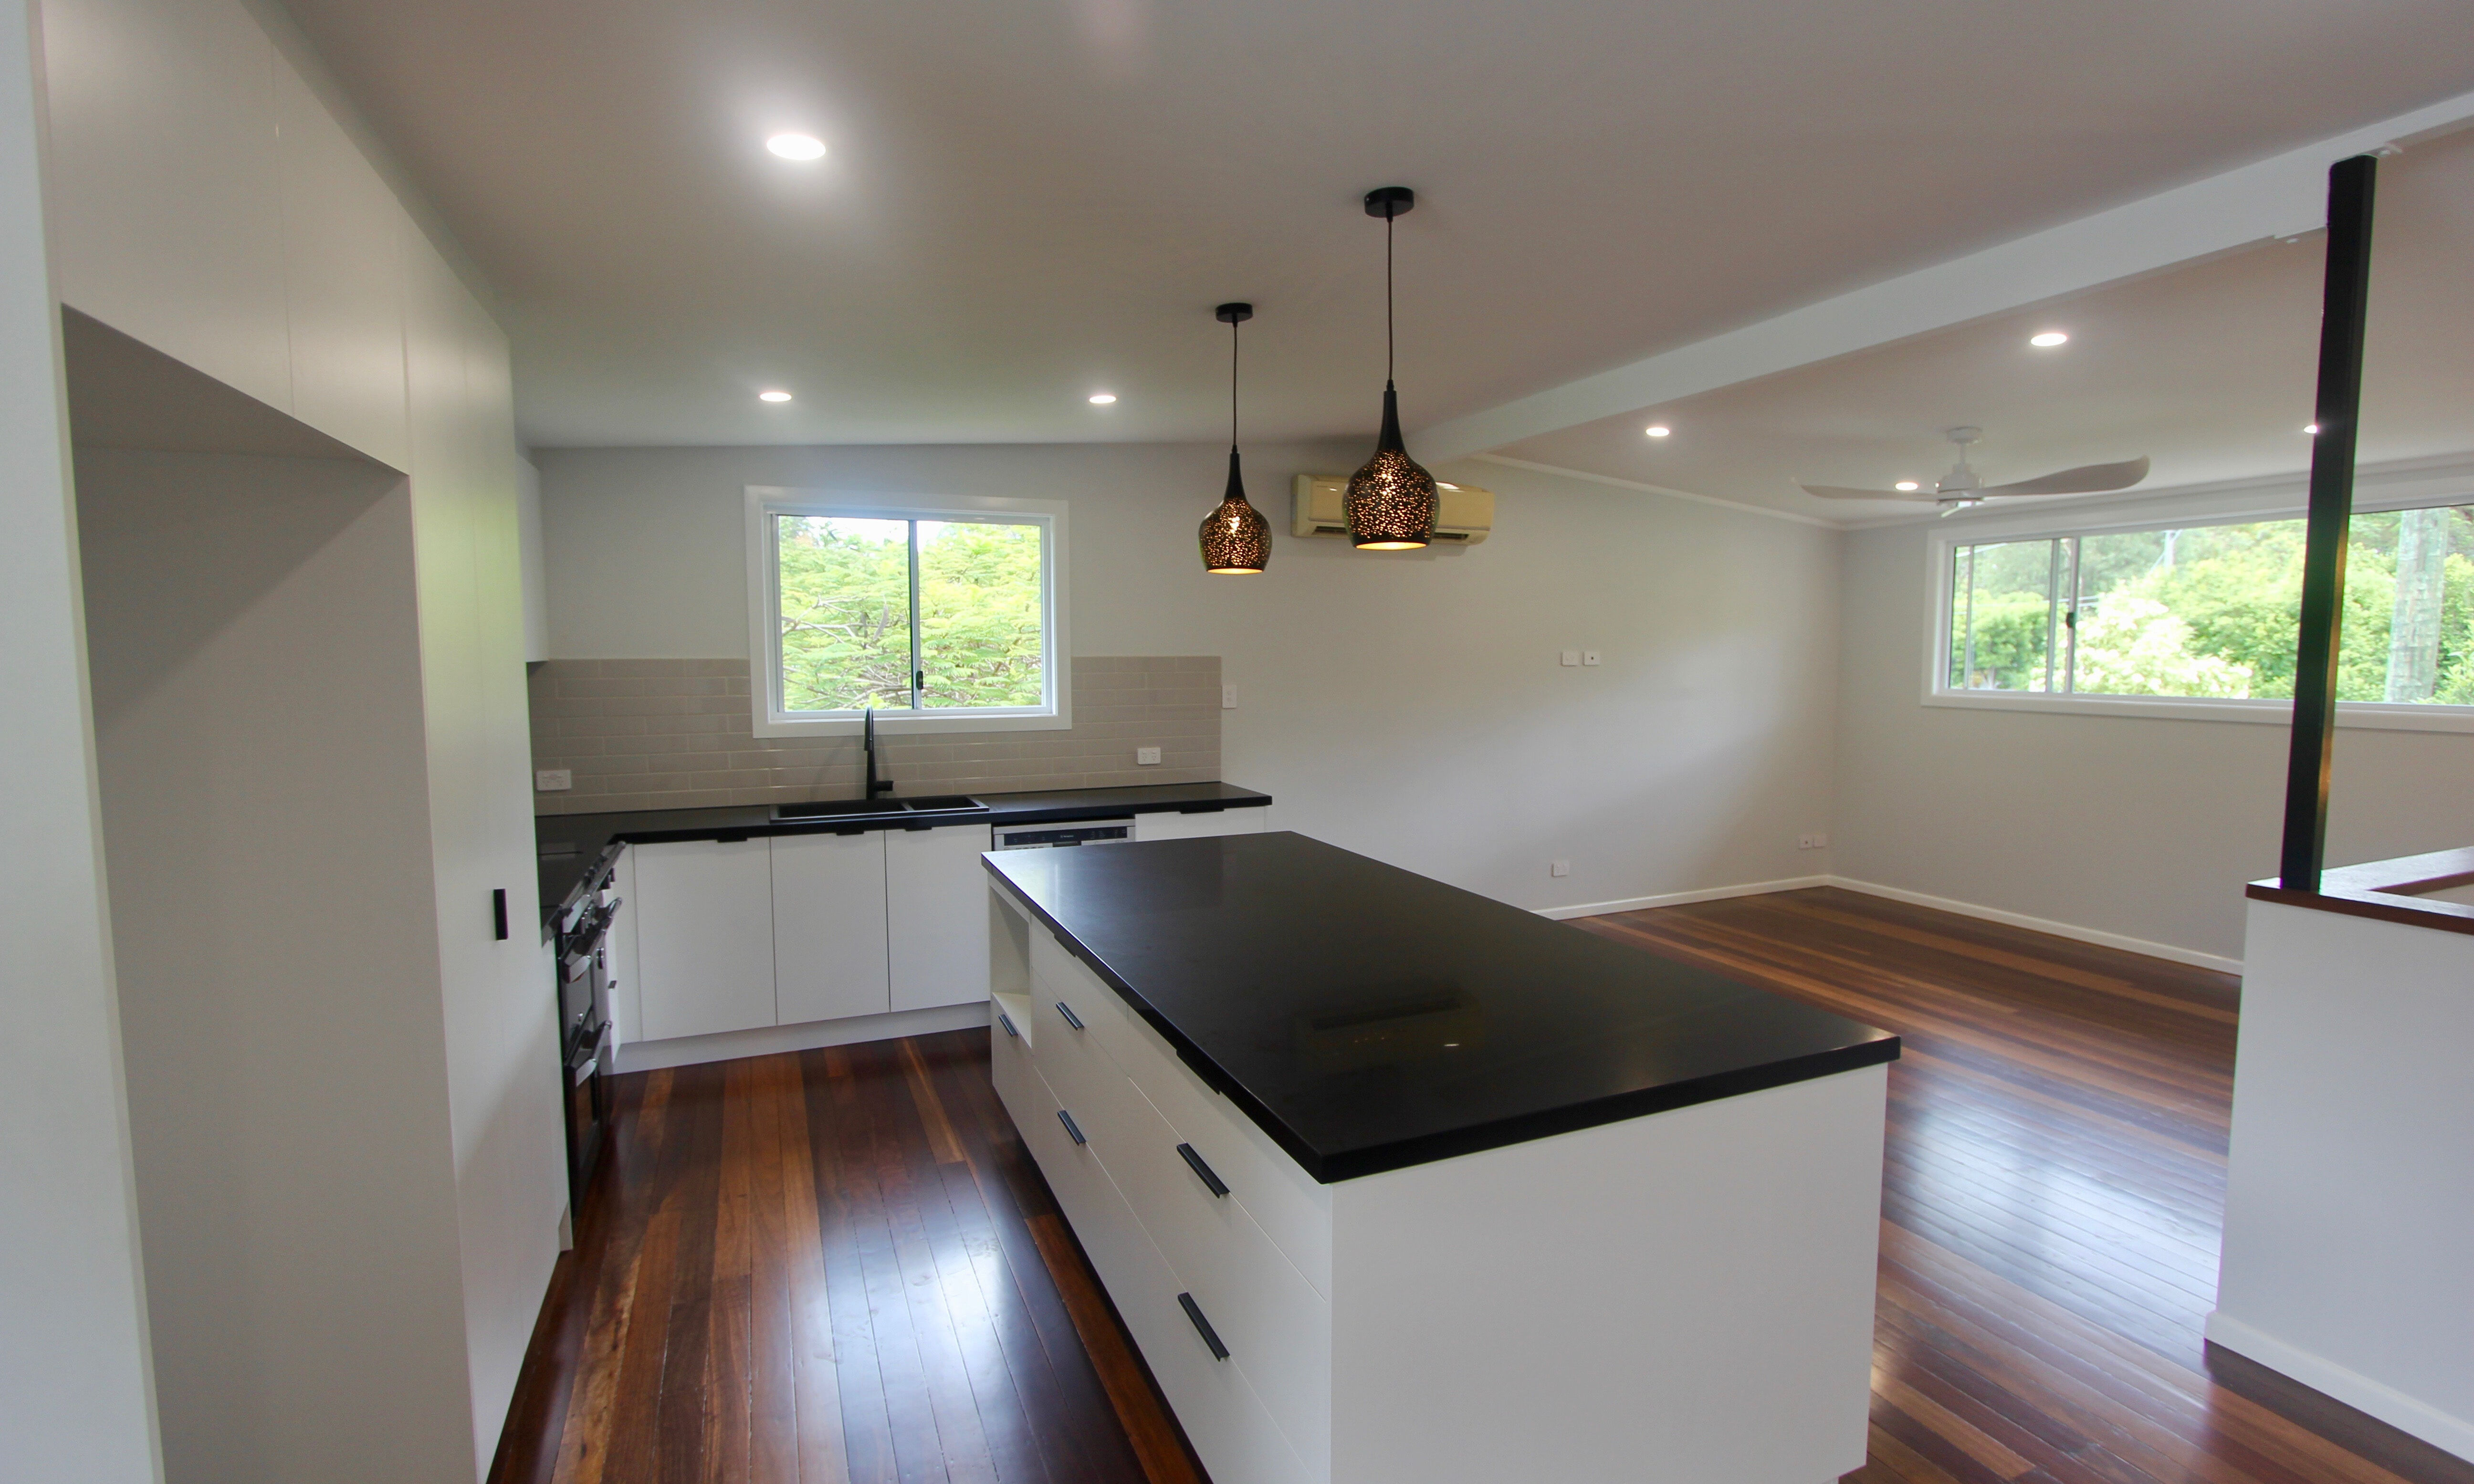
<point x="1393" y="1181"/>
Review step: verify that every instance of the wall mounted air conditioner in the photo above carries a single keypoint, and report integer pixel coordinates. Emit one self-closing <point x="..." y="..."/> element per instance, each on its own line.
<point x="1465" y="517"/>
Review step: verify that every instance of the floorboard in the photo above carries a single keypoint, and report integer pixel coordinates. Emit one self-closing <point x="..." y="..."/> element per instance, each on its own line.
<point x="842" y="1267"/>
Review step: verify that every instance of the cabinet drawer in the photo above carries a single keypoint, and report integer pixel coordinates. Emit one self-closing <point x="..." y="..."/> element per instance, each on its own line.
<point x="1276" y="1326"/>
<point x="1227" y="1423"/>
<point x="1291" y="1208"/>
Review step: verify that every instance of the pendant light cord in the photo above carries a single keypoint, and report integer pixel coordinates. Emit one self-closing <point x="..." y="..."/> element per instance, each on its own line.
<point x="1232" y="383"/>
<point x="1387" y="295"/>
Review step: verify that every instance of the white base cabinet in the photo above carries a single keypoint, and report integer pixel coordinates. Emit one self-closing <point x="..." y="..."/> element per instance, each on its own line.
<point x="704" y="937"/>
<point x="1685" y="1297"/>
<point x="936" y="898"/>
<point x="828" y="927"/>
<point x="1225" y="821"/>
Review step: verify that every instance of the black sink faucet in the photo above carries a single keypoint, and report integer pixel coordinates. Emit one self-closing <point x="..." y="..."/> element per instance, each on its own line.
<point x="868" y="743"/>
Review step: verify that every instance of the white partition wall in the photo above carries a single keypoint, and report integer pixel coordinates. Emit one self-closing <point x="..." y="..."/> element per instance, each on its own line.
<point x="75" y="1401"/>
<point x="316" y="787"/>
<point x="2349" y="1194"/>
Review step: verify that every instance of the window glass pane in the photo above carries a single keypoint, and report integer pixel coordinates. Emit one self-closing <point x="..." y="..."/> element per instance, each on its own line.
<point x="845" y="590"/>
<point x="2208" y="612"/>
<point x="982" y="623"/>
<point x="2410" y="609"/>
<point x="2002" y="615"/>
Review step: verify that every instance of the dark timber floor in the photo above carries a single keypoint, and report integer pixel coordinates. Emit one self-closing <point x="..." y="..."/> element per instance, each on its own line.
<point x="841" y="1265"/>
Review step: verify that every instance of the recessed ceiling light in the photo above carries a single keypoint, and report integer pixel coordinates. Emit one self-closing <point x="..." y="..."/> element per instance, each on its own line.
<point x="1103" y="398"/>
<point x="796" y="146"/>
<point x="1905" y="486"/>
<point x="2048" y="339"/>
<point x="1658" y="429"/>
<point x="2312" y="429"/>
<point x="772" y="397"/>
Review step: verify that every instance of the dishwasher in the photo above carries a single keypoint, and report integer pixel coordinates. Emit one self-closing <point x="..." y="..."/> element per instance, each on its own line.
<point x="1049" y="836"/>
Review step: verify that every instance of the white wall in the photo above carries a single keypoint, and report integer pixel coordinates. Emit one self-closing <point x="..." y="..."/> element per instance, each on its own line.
<point x="75" y="1393"/>
<point x="1410" y="708"/>
<point x="2120" y="824"/>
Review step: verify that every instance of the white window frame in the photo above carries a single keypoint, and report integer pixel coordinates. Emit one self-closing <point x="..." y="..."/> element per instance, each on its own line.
<point x="1055" y="710"/>
<point x="2410" y="486"/>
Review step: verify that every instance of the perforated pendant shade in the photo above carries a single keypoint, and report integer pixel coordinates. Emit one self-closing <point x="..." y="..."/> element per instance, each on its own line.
<point x="1390" y="500"/>
<point x="1236" y="539"/>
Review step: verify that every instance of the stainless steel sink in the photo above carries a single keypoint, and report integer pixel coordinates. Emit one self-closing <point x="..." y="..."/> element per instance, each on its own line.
<point x="842" y="809"/>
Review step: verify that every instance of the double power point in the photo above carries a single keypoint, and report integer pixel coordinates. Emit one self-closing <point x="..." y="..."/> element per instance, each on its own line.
<point x="1812" y="842"/>
<point x="1572" y="657"/>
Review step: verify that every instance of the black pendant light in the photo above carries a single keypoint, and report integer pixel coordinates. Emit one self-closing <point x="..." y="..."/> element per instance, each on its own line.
<point x="1391" y="499"/>
<point x="1236" y="539"/>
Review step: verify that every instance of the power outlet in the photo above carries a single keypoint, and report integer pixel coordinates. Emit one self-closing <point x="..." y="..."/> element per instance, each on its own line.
<point x="1228" y="698"/>
<point x="1571" y="658"/>
<point x="1812" y="842"/>
<point x="1589" y="656"/>
<point x="553" y="780"/>
<point x="1145" y="757"/>
<point x="1559" y="868"/>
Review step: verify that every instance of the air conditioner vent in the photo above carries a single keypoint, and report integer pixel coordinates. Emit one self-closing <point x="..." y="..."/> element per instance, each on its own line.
<point x="1465" y="517"/>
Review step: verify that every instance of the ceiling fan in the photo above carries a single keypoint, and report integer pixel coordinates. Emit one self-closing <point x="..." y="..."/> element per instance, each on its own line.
<point x="1959" y="488"/>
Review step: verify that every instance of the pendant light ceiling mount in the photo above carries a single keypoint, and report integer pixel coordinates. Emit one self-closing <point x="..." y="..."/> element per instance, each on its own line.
<point x="1391" y="499"/>
<point x="1236" y="540"/>
<point x="1390" y="201"/>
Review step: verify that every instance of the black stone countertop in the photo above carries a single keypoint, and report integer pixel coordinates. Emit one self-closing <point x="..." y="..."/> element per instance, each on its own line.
<point x="1370" y="1019"/>
<point x="571" y="847"/>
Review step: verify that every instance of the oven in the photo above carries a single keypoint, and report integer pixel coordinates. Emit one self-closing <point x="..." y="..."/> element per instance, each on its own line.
<point x="584" y="1042"/>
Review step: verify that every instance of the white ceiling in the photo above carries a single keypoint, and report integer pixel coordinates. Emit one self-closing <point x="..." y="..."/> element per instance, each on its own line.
<point x="2209" y="369"/>
<point x="1027" y="202"/>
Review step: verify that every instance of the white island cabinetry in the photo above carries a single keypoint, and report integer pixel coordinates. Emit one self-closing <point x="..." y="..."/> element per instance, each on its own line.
<point x="1684" y="1295"/>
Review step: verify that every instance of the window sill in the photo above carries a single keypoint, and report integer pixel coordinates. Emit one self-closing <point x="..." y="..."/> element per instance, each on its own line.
<point x="896" y="723"/>
<point x="2375" y="715"/>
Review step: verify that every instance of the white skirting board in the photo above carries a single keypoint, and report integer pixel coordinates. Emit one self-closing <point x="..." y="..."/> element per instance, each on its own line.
<point x="2357" y="1391"/>
<point x="766" y="1040"/>
<point x="2128" y="944"/>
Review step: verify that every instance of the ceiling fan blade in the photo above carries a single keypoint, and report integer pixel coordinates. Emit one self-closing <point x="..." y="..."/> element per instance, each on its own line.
<point x="1839" y="491"/>
<point x="2086" y="479"/>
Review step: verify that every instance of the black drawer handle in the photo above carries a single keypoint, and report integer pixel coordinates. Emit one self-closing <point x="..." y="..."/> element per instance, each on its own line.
<point x="1071" y="1018"/>
<point x="1194" y="1162"/>
<point x="1067" y="1119"/>
<point x="1203" y="1326"/>
<point x="1007" y="1024"/>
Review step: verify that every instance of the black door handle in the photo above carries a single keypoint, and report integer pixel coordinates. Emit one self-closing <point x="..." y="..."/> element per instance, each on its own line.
<point x="1071" y="1018"/>
<point x="1203" y="1326"/>
<point x="498" y="912"/>
<point x="1194" y="1161"/>
<point x="1067" y="1119"/>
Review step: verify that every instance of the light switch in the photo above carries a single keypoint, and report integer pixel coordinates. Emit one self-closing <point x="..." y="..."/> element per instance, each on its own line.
<point x="1571" y="657"/>
<point x="553" y="780"/>
<point x="1228" y="698"/>
<point x="1589" y="656"/>
<point x="1146" y="756"/>
<point x="1559" y="868"/>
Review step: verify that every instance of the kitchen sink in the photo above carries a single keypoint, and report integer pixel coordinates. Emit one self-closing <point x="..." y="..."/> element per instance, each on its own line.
<point x="842" y="809"/>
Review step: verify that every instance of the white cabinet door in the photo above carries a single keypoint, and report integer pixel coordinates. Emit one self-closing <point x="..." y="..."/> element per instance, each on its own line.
<point x="936" y="898"/>
<point x="627" y="1003"/>
<point x="704" y="937"/>
<point x="1226" y="821"/>
<point x="829" y="926"/>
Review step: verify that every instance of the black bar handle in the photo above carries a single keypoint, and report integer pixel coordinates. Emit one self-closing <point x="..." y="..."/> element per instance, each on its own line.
<point x="1203" y="1326"/>
<point x="498" y="912"/>
<point x="1008" y="1024"/>
<point x="1194" y="1162"/>
<point x="1071" y="1018"/>
<point x="1067" y="1119"/>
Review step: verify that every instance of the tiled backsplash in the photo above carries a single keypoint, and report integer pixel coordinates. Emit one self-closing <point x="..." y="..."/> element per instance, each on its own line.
<point x="680" y="734"/>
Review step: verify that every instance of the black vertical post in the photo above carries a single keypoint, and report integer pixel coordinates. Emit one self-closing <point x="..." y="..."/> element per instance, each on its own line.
<point x="2343" y="303"/>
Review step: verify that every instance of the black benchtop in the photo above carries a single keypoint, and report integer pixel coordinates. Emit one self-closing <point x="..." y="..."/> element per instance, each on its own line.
<point x="1368" y="1018"/>
<point x="571" y="847"/>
